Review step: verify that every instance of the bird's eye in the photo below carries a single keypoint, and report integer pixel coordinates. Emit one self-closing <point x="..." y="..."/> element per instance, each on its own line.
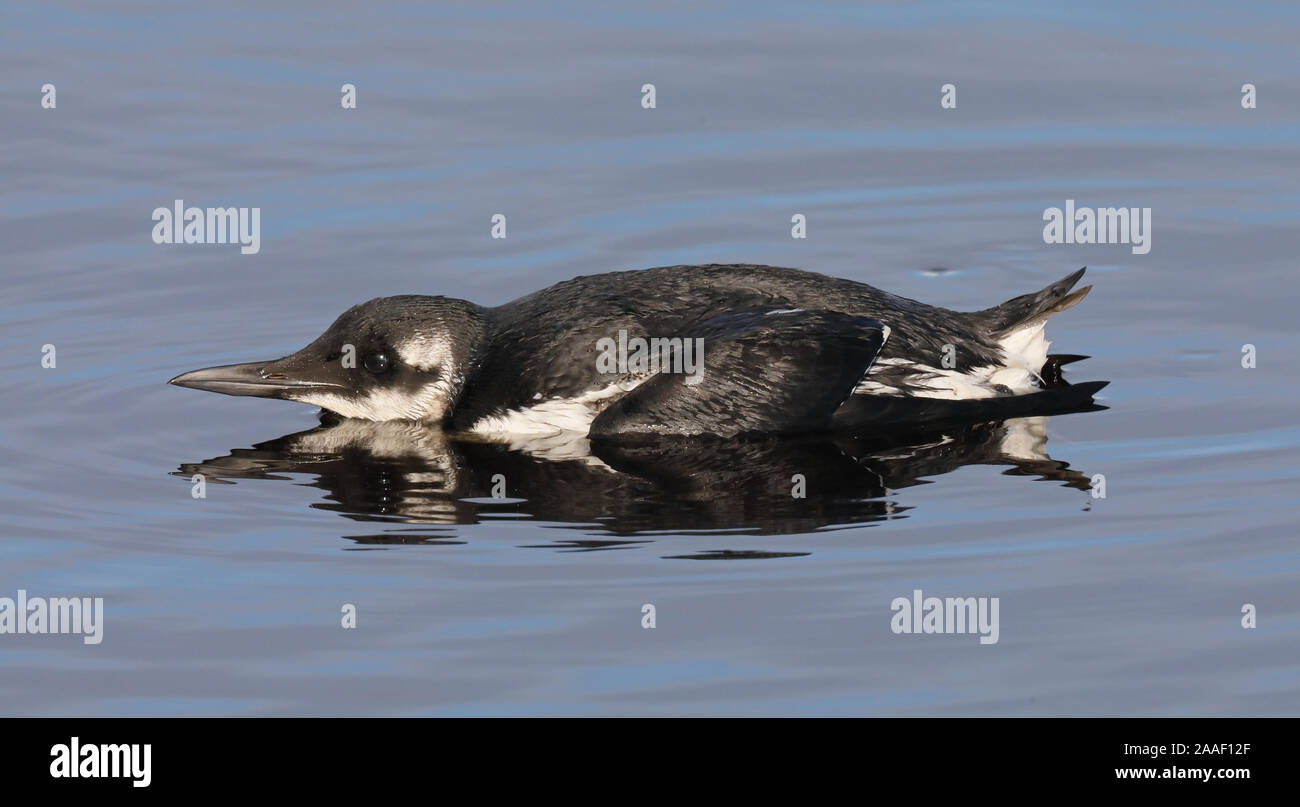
<point x="376" y="362"/>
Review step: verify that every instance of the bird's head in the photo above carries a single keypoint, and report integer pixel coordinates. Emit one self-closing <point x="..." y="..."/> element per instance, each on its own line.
<point x="392" y="358"/>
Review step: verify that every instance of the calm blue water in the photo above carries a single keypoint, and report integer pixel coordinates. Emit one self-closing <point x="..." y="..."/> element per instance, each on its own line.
<point x="1127" y="605"/>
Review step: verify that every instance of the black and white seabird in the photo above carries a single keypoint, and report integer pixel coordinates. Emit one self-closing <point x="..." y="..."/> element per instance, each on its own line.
<point x="784" y="351"/>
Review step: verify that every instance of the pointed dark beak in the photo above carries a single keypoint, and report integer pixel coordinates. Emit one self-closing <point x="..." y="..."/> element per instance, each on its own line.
<point x="259" y="379"/>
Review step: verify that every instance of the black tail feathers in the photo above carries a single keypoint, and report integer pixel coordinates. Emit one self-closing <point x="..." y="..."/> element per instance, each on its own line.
<point x="1028" y="309"/>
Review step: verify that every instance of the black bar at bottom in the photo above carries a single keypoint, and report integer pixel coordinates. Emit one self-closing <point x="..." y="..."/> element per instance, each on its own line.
<point x="329" y="756"/>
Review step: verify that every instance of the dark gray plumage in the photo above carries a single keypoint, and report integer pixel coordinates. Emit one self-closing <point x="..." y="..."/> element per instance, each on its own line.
<point x="784" y="351"/>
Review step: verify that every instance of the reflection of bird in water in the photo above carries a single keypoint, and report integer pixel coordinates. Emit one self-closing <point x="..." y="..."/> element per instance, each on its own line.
<point x="406" y="473"/>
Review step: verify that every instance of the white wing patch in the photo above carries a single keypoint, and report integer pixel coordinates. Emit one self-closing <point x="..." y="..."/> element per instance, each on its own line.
<point x="1024" y="352"/>
<point x="556" y="415"/>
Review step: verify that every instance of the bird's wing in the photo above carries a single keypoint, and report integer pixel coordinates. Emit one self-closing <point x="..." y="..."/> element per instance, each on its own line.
<point x="762" y="371"/>
<point x="870" y="414"/>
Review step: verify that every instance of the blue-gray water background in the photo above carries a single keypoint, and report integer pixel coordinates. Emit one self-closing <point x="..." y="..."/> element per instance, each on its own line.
<point x="1128" y="605"/>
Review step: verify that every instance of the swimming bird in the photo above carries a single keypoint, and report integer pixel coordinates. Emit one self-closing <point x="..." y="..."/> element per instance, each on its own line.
<point x="721" y="350"/>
